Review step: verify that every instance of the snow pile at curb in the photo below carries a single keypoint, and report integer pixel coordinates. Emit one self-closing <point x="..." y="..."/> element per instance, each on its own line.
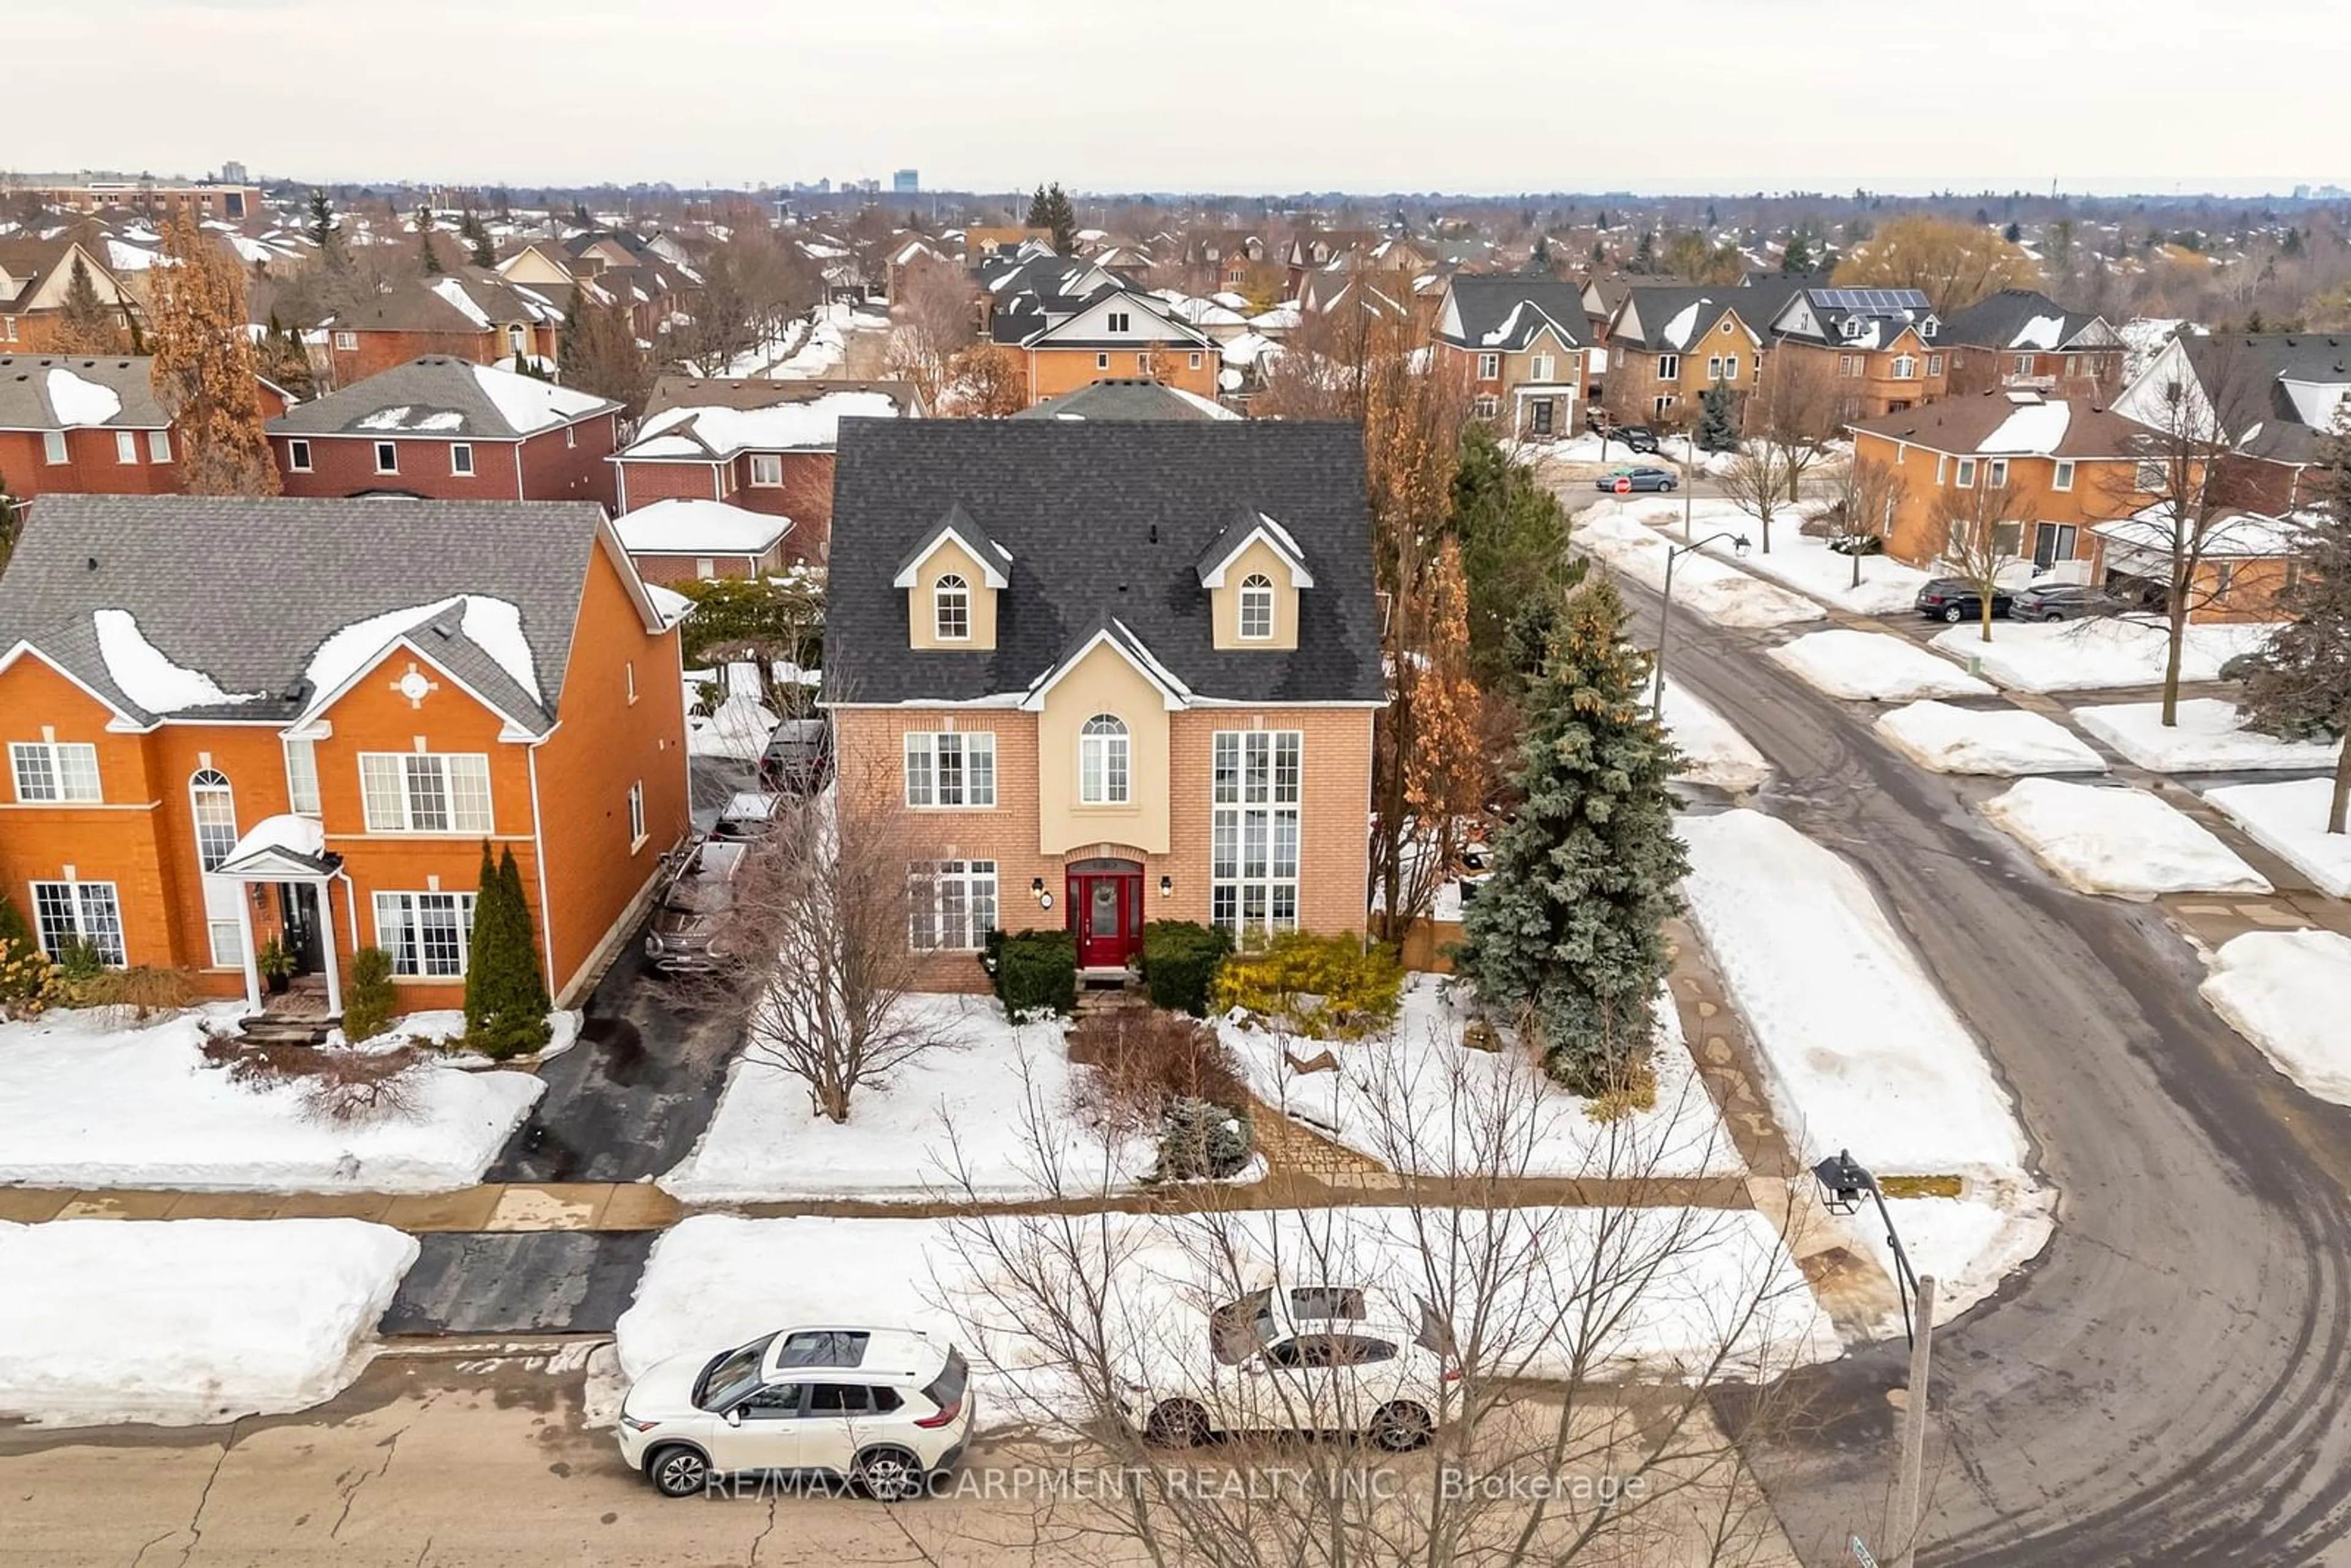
<point x="2118" y="841"/>
<point x="1701" y="585"/>
<point x="2084" y="655"/>
<point x="2285" y="991"/>
<point x="1714" y="752"/>
<point x="1968" y="1247"/>
<point x="84" y="1106"/>
<point x="2289" y="819"/>
<point x="1874" y="667"/>
<point x="1859" y="1048"/>
<point x="969" y="1105"/>
<point x="183" y="1322"/>
<point x="1796" y="560"/>
<point x="1997" y="741"/>
<point x="2210" y="736"/>
<point x="1418" y="1100"/>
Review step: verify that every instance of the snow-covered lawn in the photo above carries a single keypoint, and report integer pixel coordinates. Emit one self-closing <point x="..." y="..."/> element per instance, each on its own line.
<point x="2285" y="991"/>
<point x="1860" y="1049"/>
<point x="1665" y="1288"/>
<point x="1713" y="752"/>
<point x="1873" y="666"/>
<point x="2289" y="819"/>
<point x="961" y="1113"/>
<point x="1795" y="560"/>
<point x="87" y="1104"/>
<point x="2087" y="655"/>
<point x="1967" y="1246"/>
<point x="2211" y="737"/>
<point x="1417" y="1100"/>
<point x="186" y="1321"/>
<point x="2000" y="741"/>
<point x="2121" y="841"/>
<point x="1702" y="585"/>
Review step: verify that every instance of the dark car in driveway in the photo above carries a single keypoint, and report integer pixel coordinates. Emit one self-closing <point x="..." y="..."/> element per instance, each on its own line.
<point x="1633" y="480"/>
<point x="1955" y="598"/>
<point x="2065" y="601"/>
<point x="1637" y="438"/>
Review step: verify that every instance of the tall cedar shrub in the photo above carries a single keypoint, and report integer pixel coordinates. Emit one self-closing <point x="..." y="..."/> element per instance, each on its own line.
<point x="505" y="995"/>
<point x="1566" y="932"/>
<point x="1513" y="537"/>
<point x="369" y="999"/>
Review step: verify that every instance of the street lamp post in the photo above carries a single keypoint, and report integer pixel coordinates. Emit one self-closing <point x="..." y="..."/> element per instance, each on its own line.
<point x="1665" y="616"/>
<point x="1842" y="1182"/>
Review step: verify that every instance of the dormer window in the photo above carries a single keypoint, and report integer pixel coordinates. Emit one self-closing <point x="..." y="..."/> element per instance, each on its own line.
<point x="1853" y="327"/>
<point x="1121" y="321"/>
<point x="1103" y="762"/>
<point x="1929" y="326"/>
<point x="1256" y="607"/>
<point x="951" y="609"/>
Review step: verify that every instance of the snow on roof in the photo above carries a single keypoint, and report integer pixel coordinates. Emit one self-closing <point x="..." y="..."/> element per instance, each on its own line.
<point x="120" y="257"/>
<point x="146" y="675"/>
<point x="1678" y="330"/>
<point x="80" y="402"/>
<point x="2315" y="403"/>
<point x="669" y="603"/>
<point x="1246" y="349"/>
<point x="304" y="836"/>
<point x="1501" y="334"/>
<point x="450" y="289"/>
<point x="787" y="427"/>
<point x="2041" y="332"/>
<point x="492" y="625"/>
<point x="529" y="404"/>
<point x="2031" y="427"/>
<point x="686" y="526"/>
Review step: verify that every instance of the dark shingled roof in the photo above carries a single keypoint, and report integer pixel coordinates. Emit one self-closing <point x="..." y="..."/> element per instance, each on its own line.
<point x="1996" y="320"/>
<point x="2248" y="376"/>
<point x="1499" y="311"/>
<point x="439" y="397"/>
<point x="244" y="592"/>
<point x="1127" y="398"/>
<point x="25" y="386"/>
<point x="1103" y="521"/>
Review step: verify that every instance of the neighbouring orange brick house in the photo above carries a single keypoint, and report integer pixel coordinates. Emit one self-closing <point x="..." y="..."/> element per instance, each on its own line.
<point x="1108" y="672"/>
<point x="1882" y="349"/>
<point x="230" y="721"/>
<point x="1068" y="340"/>
<point x="1670" y="344"/>
<point x="450" y="429"/>
<point x="762" y="446"/>
<point x="35" y="275"/>
<point x="84" y="426"/>
<point x="470" y="313"/>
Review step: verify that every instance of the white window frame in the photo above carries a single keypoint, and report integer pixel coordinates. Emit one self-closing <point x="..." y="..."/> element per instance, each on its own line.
<point x="1966" y="474"/>
<point x="1669" y="367"/>
<point x="53" y="446"/>
<point x="72" y="767"/>
<point x="951" y="593"/>
<point x="207" y="788"/>
<point x="1487" y="405"/>
<point x="1996" y="473"/>
<point x="1730" y="367"/>
<point x="636" y="816"/>
<point x="347" y="342"/>
<point x="2062" y="479"/>
<point x="1195" y="361"/>
<point x="126" y="446"/>
<point x="2150" y="475"/>
<point x="950" y="770"/>
<point x="1905" y="367"/>
<point x="1540" y="367"/>
<point x="1101" y="362"/>
<point x="2024" y="365"/>
<point x="1714" y="367"/>
<point x="1489" y="366"/>
<point x="1257" y="784"/>
<point x="298" y="456"/>
<point x="1257" y="595"/>
<point x="302" y="776"/>
<point x="1105" y="761"/>
<point x="1934" y="365"/>
<point x="767" y="470"/>
<point x="159" y="446"/>
<point x="461" y="450"/>
<point x="72" y="901"/>
<point x="387" y="449"/>
<point x="409" y="960"/>
<point x="952" y="905"/>
<point x="392" y="783"/>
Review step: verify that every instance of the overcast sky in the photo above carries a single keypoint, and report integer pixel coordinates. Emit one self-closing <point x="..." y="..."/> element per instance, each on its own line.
<point x="1483" y="96"/>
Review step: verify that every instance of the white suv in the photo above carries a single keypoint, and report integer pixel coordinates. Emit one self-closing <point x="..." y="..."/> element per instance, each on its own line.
<point x="1314" y="1358"/>
<point x="887" y="1408"/>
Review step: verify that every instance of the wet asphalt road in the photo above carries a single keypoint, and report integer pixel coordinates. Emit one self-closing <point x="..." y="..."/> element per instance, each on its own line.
<point x="2167" y="1384"/>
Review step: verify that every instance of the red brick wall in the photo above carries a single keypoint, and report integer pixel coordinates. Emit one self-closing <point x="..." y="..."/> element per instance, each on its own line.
<point x="671" y="569"/>
<point x="551" y="470"/>
<point x="643" y="484"/>
<point x="567" y="463"/>
<point x="91" y="467"/>
<point x="380" y="351"/>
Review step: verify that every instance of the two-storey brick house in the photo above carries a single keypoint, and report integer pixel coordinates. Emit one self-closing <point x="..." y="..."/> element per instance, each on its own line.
<point x="762" y="446"/>
<point x="232" y="720"/>
<point x="448" y="430"/>
<point x="1516" y="341"/>
<point x="1107" y="674"/>
<point x="84" y="426"/>
<point x="2021" y="339"/>
<point x="35" y="276"/>
<point x="469" y="313"/>
<point x="1670" y="344"/>
<point x="1882" y="349"/>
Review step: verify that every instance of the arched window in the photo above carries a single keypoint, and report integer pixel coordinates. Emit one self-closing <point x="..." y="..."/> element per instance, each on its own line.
<point x="1256" y="606"/>
<point x="951" y="609"/>
<point x="1102" y="761"/>
<point x="214" y="805"/>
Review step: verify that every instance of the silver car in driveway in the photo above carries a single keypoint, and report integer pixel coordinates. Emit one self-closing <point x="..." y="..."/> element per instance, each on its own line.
<point x="690" y="911"/>
<point x="2063" y="601"/>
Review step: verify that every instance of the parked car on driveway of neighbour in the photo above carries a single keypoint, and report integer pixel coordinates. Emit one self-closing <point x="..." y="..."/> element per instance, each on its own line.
<point x="887" y="1409"/>
<point x="1636" y="437"/>
<point x="1635" y="480"/>
<point x="2063" y="601"/>
<point x="748" y="814"/>
<point x="1955" y="598"/>
<point x="682" y="937"/>
<point x="799" y="756"/>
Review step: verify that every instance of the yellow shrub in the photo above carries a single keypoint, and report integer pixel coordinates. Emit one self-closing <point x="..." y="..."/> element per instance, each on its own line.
<point x="1332" y="986"/>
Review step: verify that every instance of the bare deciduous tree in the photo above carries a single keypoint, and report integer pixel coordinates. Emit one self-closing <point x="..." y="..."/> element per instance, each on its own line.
<point x="1798" y="407"/>
<point x="985" y="381"/>
<point x="1863" y="498"/>
<point x="1759" y="479"/>
<point x="1982" y="527"/>
<point x="933" y="318"/>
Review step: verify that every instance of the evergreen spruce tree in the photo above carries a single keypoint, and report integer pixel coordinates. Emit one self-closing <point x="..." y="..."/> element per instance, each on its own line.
<point x="2013" y="233"/>
<point x="478" y="234"/>
<point x="1040" y="212"/>
<point x="1797" y="259"/>
<point x="87" y="324"/>
<point x="1539" y="259"/>
<point x="505" y="995"/>
<point x="1645" y="254"/>
<point x="1567" y="928"/>
<point x="430" y="258"/>
<point x="2303" y="685"/>
<point x="322" y="232"/>
<point x="1714" y="429"/>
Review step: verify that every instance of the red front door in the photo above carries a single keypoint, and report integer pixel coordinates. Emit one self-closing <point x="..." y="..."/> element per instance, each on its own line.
<point x="1107" y="909"/>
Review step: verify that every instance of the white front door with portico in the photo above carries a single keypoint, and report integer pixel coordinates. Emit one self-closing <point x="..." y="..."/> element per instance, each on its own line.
<point x="291" y="853"/>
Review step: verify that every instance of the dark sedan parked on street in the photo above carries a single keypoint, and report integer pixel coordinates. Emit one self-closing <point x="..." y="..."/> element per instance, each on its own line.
<point x="2065" y="601"/>
<point x="1629" y="480"/>
<point x="1955" y="598"/>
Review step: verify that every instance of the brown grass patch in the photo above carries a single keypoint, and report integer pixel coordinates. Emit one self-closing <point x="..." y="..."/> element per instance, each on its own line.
<point x="340" y="1086"/>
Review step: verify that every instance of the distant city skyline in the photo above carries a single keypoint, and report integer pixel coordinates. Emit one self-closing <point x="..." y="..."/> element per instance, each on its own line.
<point x="2105" y="96"/>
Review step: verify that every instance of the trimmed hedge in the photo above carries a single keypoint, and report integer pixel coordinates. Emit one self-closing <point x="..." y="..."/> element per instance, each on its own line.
<point x="1036" y="969"/>
<point x="1179" y="963"/>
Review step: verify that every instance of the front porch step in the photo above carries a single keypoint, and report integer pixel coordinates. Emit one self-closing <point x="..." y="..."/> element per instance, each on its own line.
<point x="270" y="1028"/>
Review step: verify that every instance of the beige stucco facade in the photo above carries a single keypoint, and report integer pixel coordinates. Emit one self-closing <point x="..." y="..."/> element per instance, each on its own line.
<point x="1257" y="558"/>
<point x="949" y="558"/>
<point x="1105" y="682"/>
